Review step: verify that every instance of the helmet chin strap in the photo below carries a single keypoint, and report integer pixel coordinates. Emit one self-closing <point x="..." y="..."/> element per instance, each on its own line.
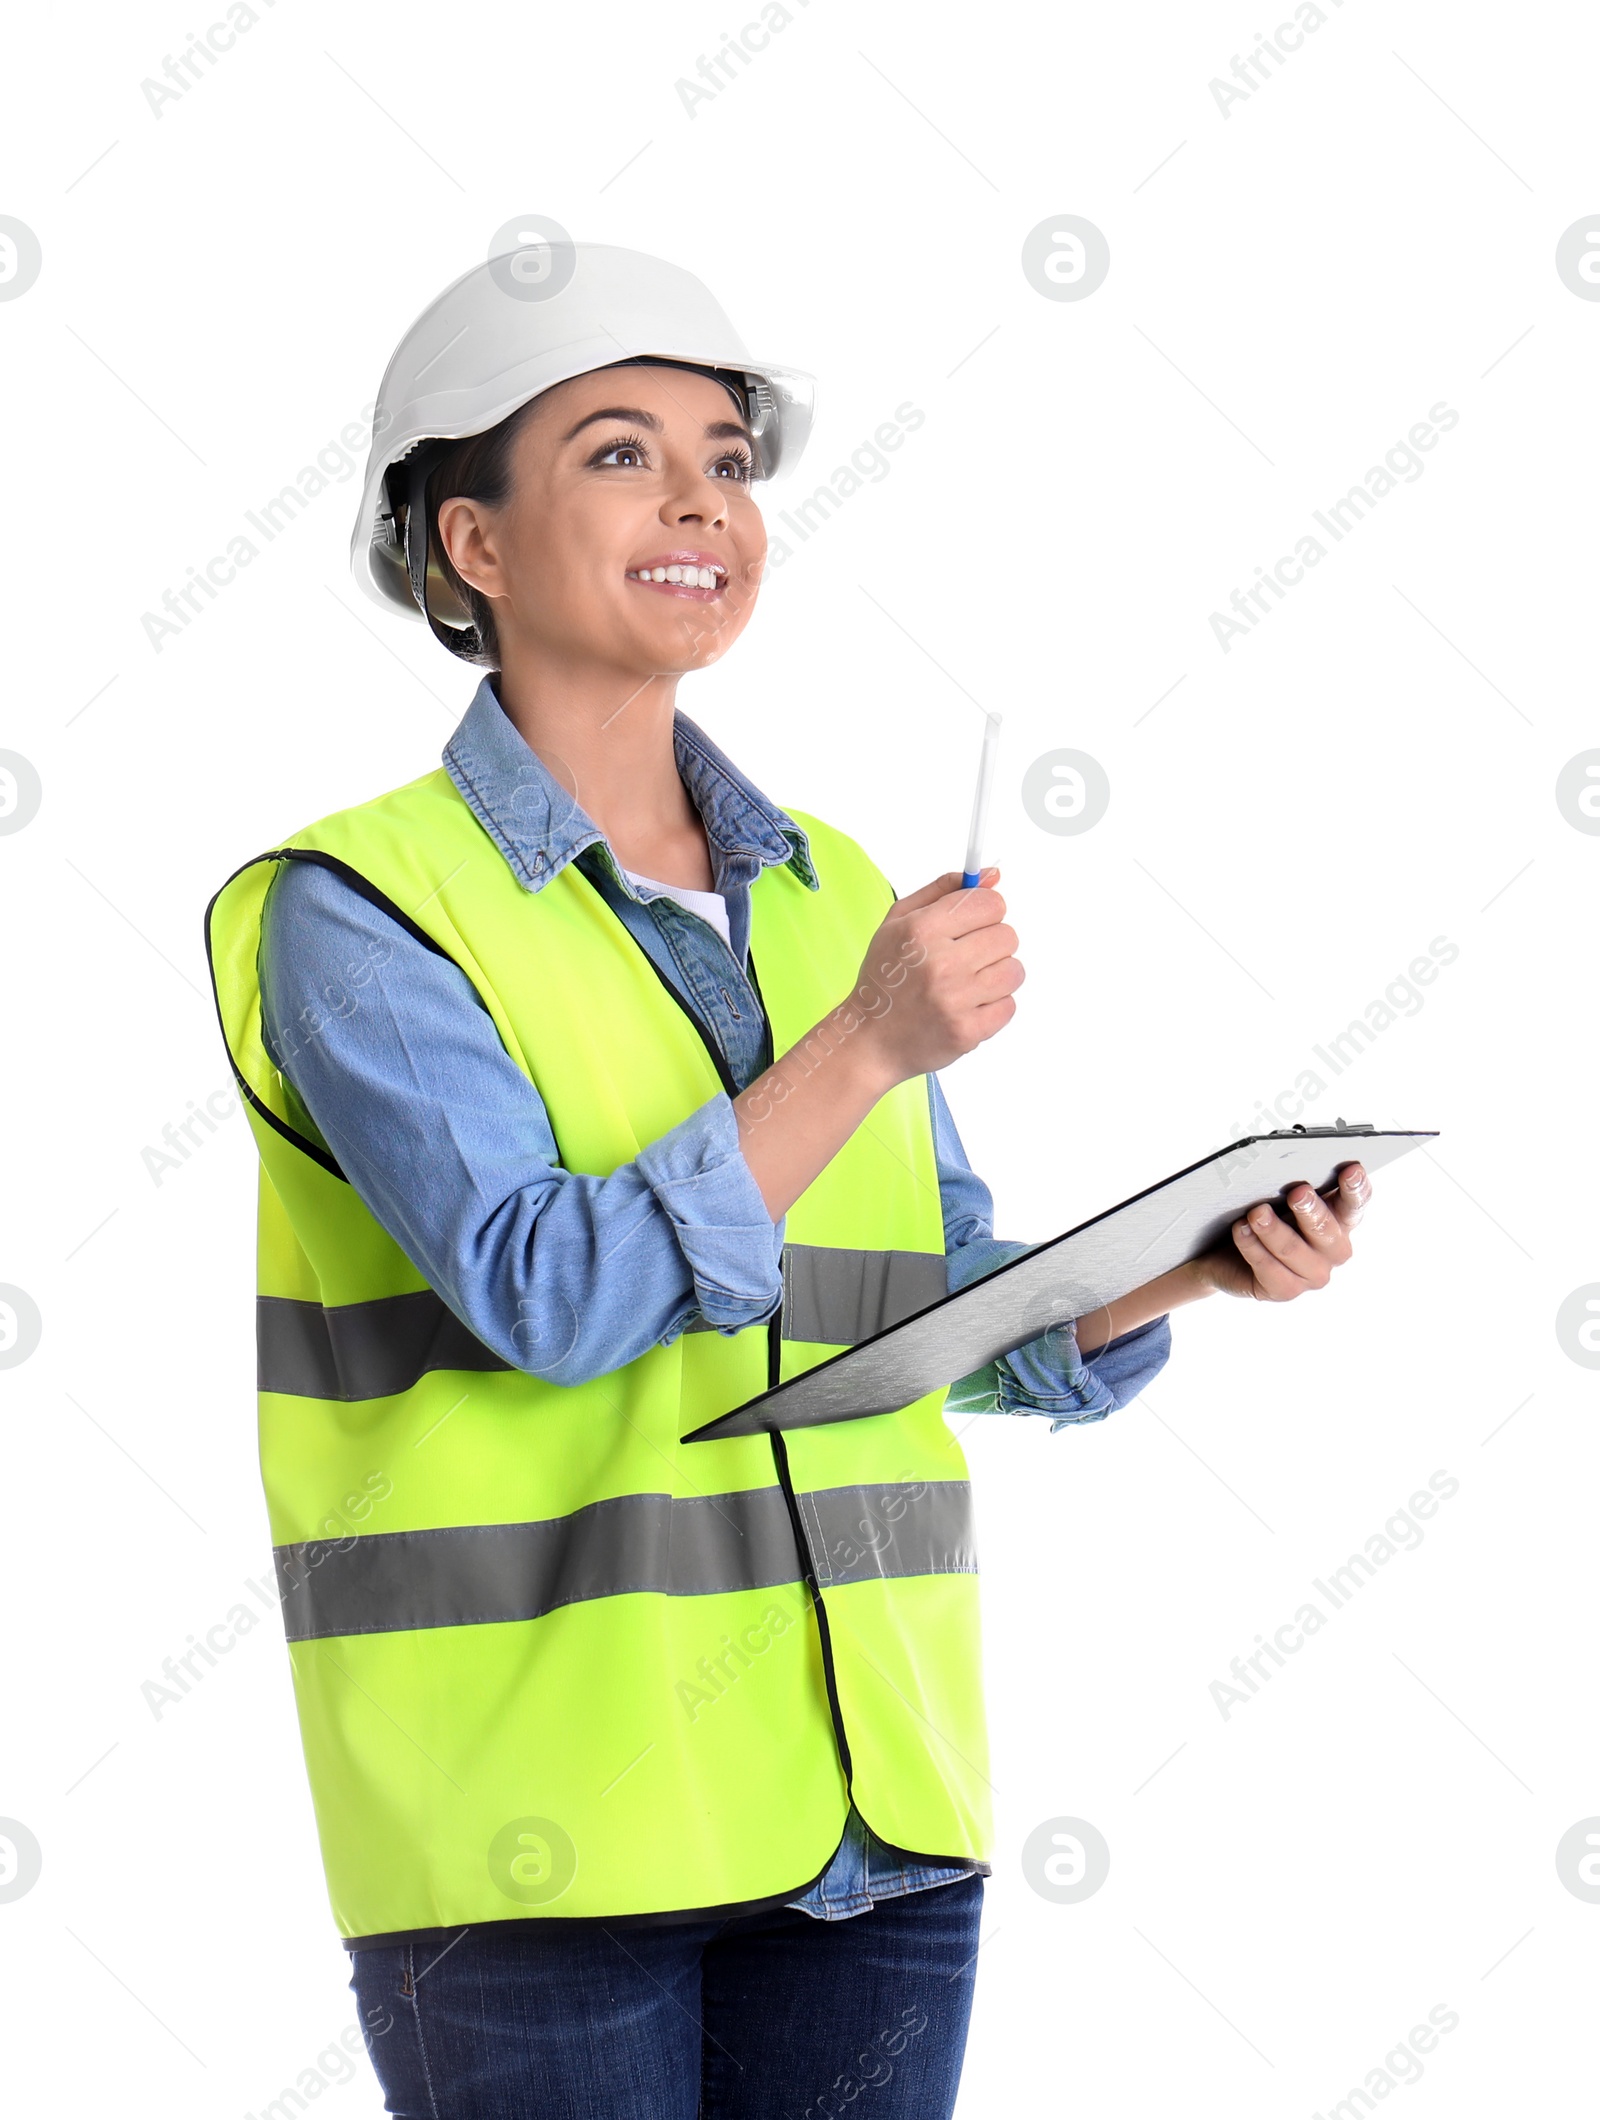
<point x="462" y="643"/>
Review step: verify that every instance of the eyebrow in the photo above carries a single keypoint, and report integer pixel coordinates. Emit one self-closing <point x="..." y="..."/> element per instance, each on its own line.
<point x="717" y="430"/>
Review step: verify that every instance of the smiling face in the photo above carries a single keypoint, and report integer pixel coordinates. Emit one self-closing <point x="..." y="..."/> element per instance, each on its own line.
<point x="631" y="538"/>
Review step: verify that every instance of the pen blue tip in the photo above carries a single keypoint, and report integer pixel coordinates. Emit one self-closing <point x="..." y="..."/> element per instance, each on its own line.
<point x="969" y="881"/>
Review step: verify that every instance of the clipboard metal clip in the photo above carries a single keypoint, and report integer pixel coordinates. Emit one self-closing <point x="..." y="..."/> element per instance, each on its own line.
<point x="1339" y="1126"/>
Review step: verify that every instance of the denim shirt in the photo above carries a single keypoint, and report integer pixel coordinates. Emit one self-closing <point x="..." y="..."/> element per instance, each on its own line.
<point x="400" y="1073"/>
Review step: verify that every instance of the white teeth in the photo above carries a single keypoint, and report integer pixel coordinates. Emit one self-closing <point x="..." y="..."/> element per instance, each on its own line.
<point x="688" y="576"/>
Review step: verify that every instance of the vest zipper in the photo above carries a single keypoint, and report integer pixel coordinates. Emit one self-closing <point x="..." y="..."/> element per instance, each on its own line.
<point x="724" y="1072"/>
<point x="780" y="1460"/>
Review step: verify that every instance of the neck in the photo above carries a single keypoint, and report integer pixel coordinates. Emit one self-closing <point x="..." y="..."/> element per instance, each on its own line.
<point x="606" y="736"/>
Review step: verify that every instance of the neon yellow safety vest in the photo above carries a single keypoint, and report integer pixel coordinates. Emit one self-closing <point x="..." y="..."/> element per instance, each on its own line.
<point x="548" y="1661"/>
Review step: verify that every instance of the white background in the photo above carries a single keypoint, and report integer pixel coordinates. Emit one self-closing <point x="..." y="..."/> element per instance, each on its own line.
<point x="1293" y="285"/>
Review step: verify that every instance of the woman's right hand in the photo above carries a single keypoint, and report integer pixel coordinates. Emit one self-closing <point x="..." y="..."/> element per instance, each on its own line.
<point x="938" y="977"/>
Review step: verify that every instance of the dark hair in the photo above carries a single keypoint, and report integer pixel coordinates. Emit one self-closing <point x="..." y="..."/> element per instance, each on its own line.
<point x="475" y="469"/>
<point x="478" y="468"/>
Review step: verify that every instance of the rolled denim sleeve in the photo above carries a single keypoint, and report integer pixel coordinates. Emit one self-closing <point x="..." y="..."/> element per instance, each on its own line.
<point x="567" y="1275"/>
<point x="1046" y="1375"/>
<point x="732" y="1246"/>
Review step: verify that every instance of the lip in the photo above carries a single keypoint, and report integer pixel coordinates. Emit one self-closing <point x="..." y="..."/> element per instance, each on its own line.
<point x="682" y="557"/>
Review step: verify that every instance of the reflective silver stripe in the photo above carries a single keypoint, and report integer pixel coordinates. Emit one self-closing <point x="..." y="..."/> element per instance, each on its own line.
<point x="843" y="1297"/>
<point x="377" y="1349"/>
<point x="470" y="1575"/>
<point x="906" y="1528"/>
<point x="366" y="1350"/>
<point x="361" y="1350"/>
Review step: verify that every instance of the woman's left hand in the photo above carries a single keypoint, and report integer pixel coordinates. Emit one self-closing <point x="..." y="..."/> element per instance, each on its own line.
<point x="1272" y="1263"/>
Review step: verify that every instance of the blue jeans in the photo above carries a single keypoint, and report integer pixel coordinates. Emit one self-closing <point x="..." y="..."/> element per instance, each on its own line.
<point x="772" y="2016"/>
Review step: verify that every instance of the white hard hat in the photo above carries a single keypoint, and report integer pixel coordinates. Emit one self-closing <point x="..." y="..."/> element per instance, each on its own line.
<point x="514" y="325"/>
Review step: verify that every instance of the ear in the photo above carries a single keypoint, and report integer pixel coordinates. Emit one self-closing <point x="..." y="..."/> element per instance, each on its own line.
<point x="466" y="532"/>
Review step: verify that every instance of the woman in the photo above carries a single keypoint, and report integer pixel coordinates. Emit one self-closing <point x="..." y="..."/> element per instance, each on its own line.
<point x="594" y="1094"/>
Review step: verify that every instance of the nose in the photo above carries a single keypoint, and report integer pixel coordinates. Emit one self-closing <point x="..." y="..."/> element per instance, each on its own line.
<point x="694" y="498"/>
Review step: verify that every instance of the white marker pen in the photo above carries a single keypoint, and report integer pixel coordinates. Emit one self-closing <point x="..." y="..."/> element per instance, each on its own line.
<point x="980" y="801"/>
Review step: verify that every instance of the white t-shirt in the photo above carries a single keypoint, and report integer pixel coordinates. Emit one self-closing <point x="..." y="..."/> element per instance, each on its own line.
<point x="710" y="905"/>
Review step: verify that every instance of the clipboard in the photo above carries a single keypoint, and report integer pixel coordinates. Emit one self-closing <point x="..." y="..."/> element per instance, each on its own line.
<point x="1067" y="1277"/>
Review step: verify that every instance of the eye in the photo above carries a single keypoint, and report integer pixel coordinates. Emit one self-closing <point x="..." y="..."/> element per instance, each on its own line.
<point x="629" y="452"/>
<point x="624" y="445"/>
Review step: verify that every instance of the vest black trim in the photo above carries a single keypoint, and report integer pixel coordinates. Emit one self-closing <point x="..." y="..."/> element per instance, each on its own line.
<point x="524" y="1929"/>
<point x="318" y="1155"/>
<point x="369" y="891"/>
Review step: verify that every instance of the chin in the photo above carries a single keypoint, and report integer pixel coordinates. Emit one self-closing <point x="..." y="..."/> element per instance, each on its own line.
<point x="689" y="640"/>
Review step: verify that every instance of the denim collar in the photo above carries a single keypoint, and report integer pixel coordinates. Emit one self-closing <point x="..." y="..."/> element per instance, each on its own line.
<point x="539" y="827"/>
